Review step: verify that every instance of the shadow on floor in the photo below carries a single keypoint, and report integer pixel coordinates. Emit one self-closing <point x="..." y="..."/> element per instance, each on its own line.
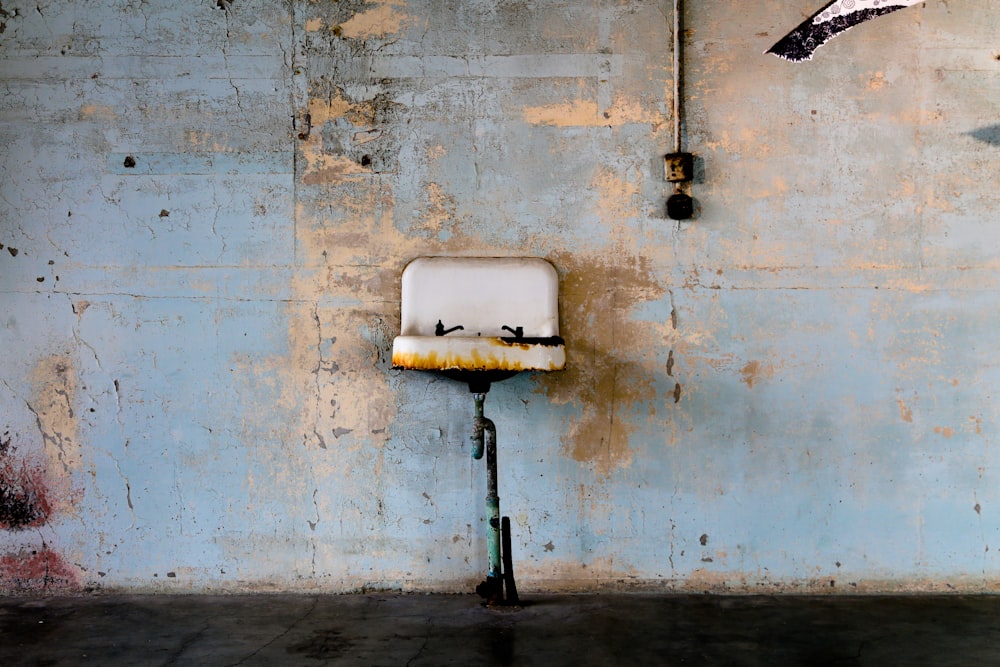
<point x="392" y="630"/>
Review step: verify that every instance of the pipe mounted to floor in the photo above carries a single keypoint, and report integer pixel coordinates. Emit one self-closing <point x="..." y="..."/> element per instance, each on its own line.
<point x="484" y="439"/>
<point x="492" y="502"/>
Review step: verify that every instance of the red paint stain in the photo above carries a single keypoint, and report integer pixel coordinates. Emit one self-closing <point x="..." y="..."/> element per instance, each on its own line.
<point x="36" y="570"/>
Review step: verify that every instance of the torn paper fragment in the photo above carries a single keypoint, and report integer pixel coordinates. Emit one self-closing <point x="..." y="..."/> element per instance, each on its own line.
<point x="833" y="19"/>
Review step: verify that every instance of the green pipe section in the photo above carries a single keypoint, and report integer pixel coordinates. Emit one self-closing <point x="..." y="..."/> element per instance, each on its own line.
<point x="484" y="437"/>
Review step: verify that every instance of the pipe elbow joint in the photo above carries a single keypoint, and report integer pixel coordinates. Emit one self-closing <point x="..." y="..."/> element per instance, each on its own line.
<point x="482" y="430"/>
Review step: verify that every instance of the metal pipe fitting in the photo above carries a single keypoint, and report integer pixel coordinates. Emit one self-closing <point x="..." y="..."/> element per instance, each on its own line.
<point x="484" y="439"/>
<point x="479" y="427"/>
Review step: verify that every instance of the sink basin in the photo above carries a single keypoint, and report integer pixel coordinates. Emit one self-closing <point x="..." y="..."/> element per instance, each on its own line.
<point x="479" y="319"/>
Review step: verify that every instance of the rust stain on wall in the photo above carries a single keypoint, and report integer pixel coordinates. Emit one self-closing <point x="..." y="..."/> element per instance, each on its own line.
<point x="977" y="423"/>
<point x="905" y="412"/>
<point x="754" y="371"/>
<point x="332" y="381"/>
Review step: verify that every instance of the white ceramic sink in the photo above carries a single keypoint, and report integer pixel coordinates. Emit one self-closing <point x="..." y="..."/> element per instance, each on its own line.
<point x="479" y="314"/>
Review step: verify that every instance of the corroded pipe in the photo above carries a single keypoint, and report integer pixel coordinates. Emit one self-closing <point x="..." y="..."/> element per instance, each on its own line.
<point x="492" y="501"/>
<point x="484" y="438"/>
<point x="479" y="427"/>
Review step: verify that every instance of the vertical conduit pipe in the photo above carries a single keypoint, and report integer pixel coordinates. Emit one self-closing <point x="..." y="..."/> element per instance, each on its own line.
<point x="677" y="76"/>
<point x="679" y="166"/>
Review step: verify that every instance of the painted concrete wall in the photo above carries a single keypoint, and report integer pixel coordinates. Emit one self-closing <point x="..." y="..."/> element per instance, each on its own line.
<point x="205" y="207"/>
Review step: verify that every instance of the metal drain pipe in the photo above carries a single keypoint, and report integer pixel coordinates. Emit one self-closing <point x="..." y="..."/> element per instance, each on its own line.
<point x="484" y="437"/>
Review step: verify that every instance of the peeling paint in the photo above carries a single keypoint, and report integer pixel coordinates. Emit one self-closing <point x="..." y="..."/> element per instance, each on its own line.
<point x="582" y="113"/>
<point x="586" y="113"/>
<point x="53" y="405"/>
<point x="98" y="111"/>
<point x="331" y="169"/>
<point x="384" y="18"/>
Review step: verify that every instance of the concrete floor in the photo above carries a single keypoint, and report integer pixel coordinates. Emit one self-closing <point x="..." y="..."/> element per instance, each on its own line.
<point x="633" y="629"/>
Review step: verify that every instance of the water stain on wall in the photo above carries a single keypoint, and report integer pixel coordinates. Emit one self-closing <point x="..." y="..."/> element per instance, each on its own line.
<point x="604" y="378"/>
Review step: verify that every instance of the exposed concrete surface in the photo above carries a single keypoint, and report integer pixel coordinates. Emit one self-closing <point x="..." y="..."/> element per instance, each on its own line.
<point x="205" y="207"/>
<point x="457" y="630"/>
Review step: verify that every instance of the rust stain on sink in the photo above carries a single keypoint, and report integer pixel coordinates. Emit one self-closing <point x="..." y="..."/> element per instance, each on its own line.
<point x="473" y="360"/>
